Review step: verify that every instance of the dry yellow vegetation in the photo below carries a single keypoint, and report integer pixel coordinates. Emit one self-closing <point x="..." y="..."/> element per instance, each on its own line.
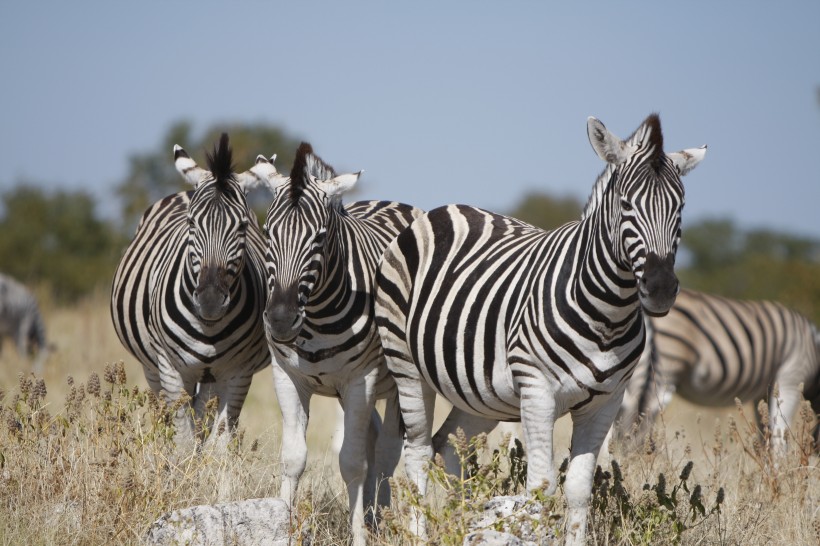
<point x="86" y="458"/>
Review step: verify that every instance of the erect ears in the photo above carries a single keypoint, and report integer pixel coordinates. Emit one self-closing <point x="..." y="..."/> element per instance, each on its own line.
<point x="263" y="173"/>
<point x="687" y="159"/>
<point x="608" y="147"/>
<point x="339" y="184"/>
<point x="187" y="167"/>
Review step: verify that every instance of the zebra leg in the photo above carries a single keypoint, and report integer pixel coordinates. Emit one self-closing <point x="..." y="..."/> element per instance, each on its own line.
<point x="472" y="425"/>
<point x="589" y="427"/>
<point x="538" y="415"/>
<point x="173" y="384"/>
<point x="294" y="403"/>
<point x="783" y="403"/>
<point x="359" y="402"/>
<point x="417" y="402"/>
<point x="388" y="448"/>
<point x="231" y="394"/>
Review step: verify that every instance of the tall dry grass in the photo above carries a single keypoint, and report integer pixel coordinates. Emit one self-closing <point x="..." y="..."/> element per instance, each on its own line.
<point x="86" y="458"/>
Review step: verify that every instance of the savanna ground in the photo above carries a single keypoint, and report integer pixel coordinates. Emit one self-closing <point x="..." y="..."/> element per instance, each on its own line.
<point x="86" y="458"/>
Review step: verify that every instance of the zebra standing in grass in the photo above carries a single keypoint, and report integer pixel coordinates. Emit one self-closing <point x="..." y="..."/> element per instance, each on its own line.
<point x="509" y="322"/>
<point x="188" y="294"/>
<point x="321" y="262"/>
<point x="21" y="320"/>
<point x="712" y="350"/>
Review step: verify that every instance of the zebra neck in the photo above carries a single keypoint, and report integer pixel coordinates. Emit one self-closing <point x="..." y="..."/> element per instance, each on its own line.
<point x="602" y="286"/>
<point x="336" y="283"/>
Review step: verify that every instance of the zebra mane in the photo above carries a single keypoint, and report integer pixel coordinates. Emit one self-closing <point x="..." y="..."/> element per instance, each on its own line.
<point x="649" y="133"/>
<point x="220" y="162"/>
<point x="305" y="165"/>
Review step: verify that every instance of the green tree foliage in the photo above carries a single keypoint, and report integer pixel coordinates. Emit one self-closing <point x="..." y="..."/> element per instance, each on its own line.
<point x="152" y="175"/>
<point x="718" y="257"/>
<point x="56" y="239"/>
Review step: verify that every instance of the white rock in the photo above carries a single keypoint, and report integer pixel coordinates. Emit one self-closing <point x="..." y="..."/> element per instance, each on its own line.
<point x="254" y="522"/>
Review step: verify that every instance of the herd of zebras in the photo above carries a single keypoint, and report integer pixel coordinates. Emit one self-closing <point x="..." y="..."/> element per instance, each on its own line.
<point x="380" y="300"/>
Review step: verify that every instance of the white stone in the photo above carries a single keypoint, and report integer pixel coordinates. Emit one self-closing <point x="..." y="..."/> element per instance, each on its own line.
<point x="254" y="522"/>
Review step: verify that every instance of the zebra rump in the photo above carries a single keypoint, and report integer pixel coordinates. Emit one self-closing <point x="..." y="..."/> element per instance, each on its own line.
<point x="21" y="320"/>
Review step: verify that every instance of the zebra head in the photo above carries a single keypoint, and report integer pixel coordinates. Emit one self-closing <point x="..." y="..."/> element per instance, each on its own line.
<point x="218" y="216"/>
<point x="303" y="211"/>
<point x="641" y="198"/>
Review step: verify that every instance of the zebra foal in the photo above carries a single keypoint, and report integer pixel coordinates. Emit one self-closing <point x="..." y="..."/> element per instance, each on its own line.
<point x="188" y="293"/>
<point x="507" y="321"/>
<point x="711" y="350"/>
<point x="321" y="262"/>
<point x="21" y="320"/>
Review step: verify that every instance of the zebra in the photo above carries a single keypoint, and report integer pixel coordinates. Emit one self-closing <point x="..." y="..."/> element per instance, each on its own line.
<point x="510" y="322"/>
<point x="188" y="294"/>
<point x="711" y="350"/>
<point x="321" y="262"/>
<point x="20" y="319"/>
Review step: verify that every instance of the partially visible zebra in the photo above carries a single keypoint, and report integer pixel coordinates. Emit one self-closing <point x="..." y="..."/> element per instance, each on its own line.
<point x="508" y="321"/>
<point x="321" y="263"/>
<point x="711" y="350"/>
<point x="188" y="294"/>
<point x="20" y="319"/>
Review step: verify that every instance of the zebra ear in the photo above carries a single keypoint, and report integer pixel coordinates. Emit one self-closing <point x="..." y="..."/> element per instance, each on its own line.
<point x="263" y="173"/>
<point x="688" y="159"/>
<point x="340" y="184"/>
<point x="608" y="147"/>
<point x="187" y="167"/>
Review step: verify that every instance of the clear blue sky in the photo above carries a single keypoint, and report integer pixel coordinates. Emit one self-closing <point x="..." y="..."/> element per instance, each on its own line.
<point x="439" y="102"/>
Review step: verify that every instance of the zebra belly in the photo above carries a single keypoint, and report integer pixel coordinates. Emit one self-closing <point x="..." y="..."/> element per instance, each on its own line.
<point x="330" y="376"/>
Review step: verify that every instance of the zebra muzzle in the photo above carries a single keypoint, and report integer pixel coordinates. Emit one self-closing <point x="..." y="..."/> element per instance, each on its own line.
<point x="658" y="286"/>
<point x="283" y="322"/>
<point x="211" y="294"/>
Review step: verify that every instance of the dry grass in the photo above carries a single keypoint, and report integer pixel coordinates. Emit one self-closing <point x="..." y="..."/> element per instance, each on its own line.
<point x="86" y="465"/>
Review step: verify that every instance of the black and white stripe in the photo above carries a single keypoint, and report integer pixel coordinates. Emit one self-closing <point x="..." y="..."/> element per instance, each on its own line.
<point x="711" y="350"/>
<point x="20" y="319"/>
<point x="321" y="262"/>
<point x="188" y="294"/>
<point x="508" y="322"/>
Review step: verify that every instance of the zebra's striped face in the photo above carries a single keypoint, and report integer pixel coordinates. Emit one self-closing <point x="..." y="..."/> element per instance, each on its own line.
<point x="640" y="197"/>
<point x="648" y="207"/>
<point x="217" y="225"/>
<point x="296" y="230"/>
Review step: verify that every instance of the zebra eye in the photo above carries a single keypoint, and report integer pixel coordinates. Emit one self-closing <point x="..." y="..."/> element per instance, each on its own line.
<point x="626" y="206"/>
<point x="191" y="222"/>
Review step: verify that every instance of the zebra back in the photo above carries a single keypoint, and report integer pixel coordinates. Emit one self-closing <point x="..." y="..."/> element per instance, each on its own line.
<point x="713" y="350"/>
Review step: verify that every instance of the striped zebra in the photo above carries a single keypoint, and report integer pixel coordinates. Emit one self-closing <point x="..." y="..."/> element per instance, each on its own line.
<point x="20" y="319"/>
<point x="711" y="350"/>
<point x="188" y="293"/>
<point x="508" y="321"/>
<point x="321" y="263"/>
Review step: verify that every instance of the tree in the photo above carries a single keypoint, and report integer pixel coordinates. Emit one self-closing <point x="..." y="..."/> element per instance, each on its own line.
<point x="56" y="239"/>
<point x="547" y="212"/>
<point x="152" y="175"/>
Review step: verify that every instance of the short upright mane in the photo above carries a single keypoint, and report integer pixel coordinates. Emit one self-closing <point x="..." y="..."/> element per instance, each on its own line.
<point x="305" y="165"/>
<point x="650" y="133"/>
<point x="220" y="162"/>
